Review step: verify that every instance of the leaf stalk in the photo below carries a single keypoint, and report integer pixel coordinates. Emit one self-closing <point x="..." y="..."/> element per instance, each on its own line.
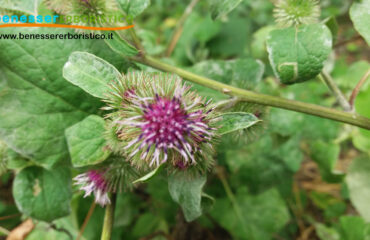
<point x="109" y="218"/>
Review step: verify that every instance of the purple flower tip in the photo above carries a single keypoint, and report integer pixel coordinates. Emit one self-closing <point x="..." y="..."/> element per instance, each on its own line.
<point x="94" y="182"/>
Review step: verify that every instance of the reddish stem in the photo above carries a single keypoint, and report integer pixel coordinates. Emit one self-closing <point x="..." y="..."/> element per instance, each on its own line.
<point x="356" y="90"/>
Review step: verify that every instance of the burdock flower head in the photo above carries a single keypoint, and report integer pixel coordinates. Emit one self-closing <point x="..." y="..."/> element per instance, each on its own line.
<point x="94" y="182"/>
<point x="156" y="119"/>
<point x="93" y="13"/>
<point x="296" y="12"/>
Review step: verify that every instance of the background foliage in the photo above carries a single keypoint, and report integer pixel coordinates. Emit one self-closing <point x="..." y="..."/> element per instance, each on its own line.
<point x="291" y="176"/>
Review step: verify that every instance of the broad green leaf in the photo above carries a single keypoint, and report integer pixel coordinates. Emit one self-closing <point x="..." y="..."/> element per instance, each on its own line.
<point x="133" y="7"/>
<point x="150" y="42"/>
<point x="258" y="45"/>
<point x="126" y="210"/>
<point x="198" y="28"/>
<point x="326" y="156"/>
<point x="187" y="192"/>
<point x="353" y="228"/>
<point x="148" y="176"/>
<point x="161" y="196"/>
<point x="335" y="210"/>
<point x="43" y="230"/>
<point x="242" y="72"/>
<point x="3" y="158"/>
<point x="36" y="103"/>
<point x="222" y="7"/>
<point x="323" y="200"/>
<point x="326" y="233"/>
<point x="247" y="73"/>
<point x="25" y="6"/>
<point x="86" y="141"/>
<point x="359" y="13"/>
<point x="219" y="70"/>
<point x="121" y="46"/>
<point x="42" y="194"/>
<point x="16" y="161"/>
<point x="233" y="39"/>
<point x="288" y="123"/>
<point x="253" y="166"/>
<point x="358" y="180"/>
<point x="147" y="223"/>
<point x="362" y="139"/>
<point x="231" y="122"/>
<point x="290" y="152"/>
<point x="260" y="217"/>
<point x="298" y="54"/>
<point x="333" y="26"/>
<point x="90" y="73"/>
<point x="348" y="76"/>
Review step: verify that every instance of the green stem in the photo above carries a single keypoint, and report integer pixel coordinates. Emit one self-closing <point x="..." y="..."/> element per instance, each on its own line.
<point x="109" y="219"/>
<point x="356" y="90"/>
<point x="258" y="98"/>
<point x="137" y="41"/>
<point x="325" y="77"/>
<point x="179" y="27"/>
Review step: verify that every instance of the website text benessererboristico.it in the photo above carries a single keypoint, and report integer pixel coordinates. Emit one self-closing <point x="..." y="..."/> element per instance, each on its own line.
<point x="56" y="20"/>
<point x="51" y="36"/>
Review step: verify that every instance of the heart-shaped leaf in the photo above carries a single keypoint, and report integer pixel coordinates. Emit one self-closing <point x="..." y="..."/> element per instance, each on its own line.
<point x="297" y="54"/>
<point x="42" y="194"/>
<point x="86" y="141"/>
<point x="187" y="192"/>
